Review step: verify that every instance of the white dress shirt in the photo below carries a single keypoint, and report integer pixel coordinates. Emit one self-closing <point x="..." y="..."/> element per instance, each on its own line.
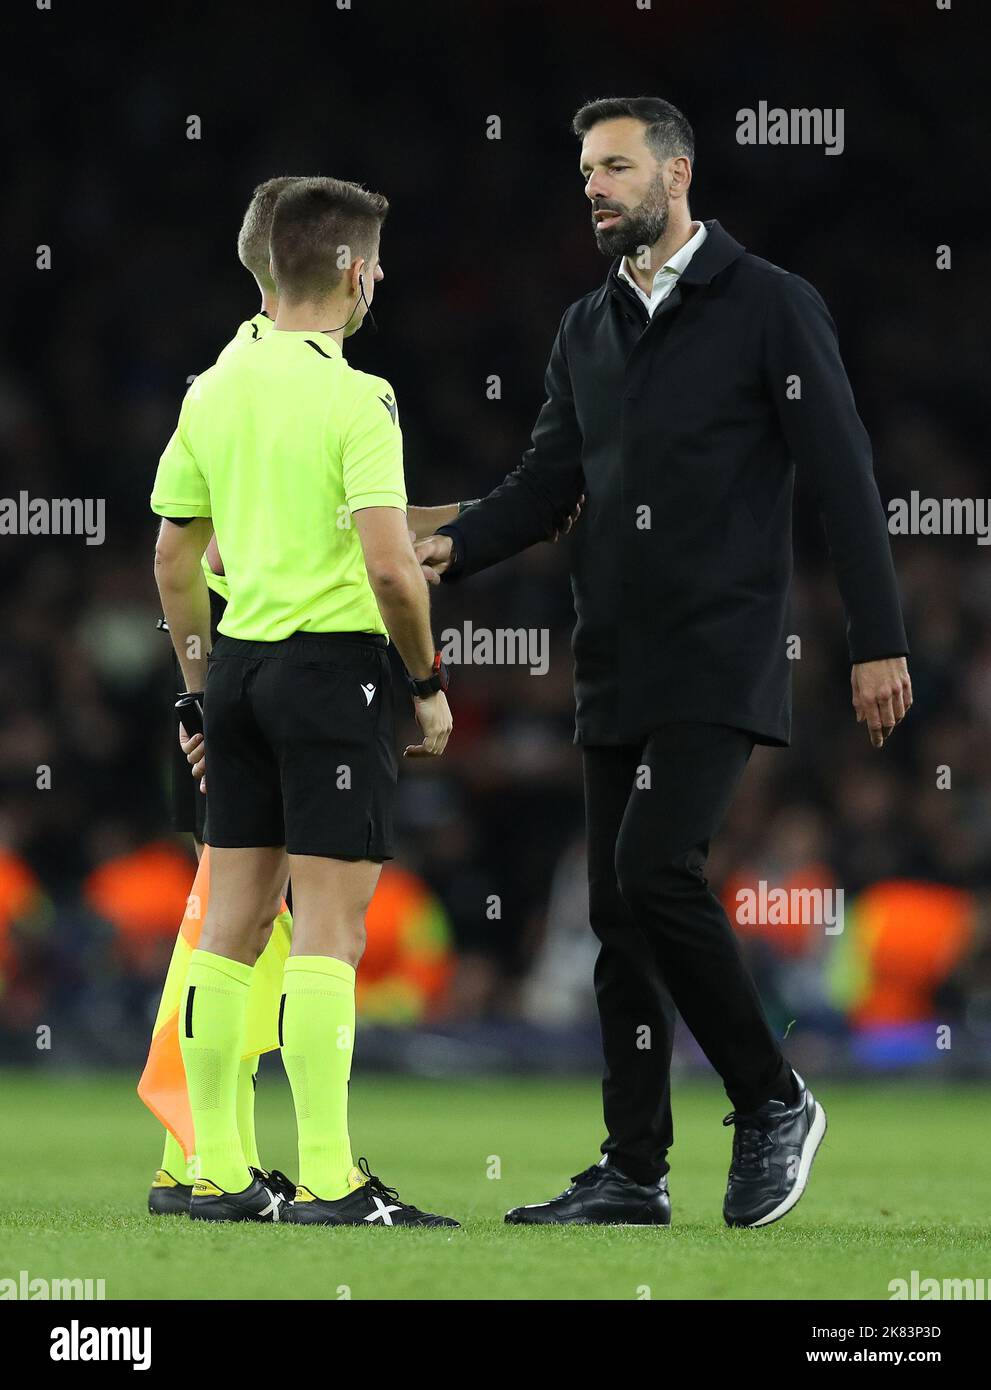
<point x="667" y="277"/>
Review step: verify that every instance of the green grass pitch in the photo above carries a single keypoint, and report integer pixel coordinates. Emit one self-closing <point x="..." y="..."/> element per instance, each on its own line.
<point x="902" y="1182"/>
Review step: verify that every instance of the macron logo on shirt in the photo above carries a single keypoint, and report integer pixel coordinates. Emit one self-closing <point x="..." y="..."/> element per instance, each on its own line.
<point x="390" y="405"/>
<point x="369" y="691"/>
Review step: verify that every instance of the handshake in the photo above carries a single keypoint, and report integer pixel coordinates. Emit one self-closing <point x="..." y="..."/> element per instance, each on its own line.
<point x="436" y="553"/>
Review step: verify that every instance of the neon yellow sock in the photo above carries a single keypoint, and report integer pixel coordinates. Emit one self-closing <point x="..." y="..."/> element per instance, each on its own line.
<point x="211" y="1031"/>
<point x="317" y="1046"/>
<point x="173" y="1158"/>
<point x="247" y="1072"/>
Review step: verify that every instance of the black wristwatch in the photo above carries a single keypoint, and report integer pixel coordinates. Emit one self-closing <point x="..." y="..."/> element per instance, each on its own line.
<point x="437" y="680"/>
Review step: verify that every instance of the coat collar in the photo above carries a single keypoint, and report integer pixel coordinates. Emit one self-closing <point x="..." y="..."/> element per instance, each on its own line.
<point x="717" y="252"/>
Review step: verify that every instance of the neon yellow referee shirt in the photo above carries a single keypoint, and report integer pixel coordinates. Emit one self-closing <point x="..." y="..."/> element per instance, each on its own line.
<point x="280" y="442"/>
<point x="248" y="332"/>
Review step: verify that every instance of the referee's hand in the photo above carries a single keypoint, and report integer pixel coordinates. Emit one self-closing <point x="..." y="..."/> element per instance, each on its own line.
<point x="195" y="755"/>
<point x="434" y="717"/>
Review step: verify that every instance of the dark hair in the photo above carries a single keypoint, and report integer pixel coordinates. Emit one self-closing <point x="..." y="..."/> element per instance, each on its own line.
<point x="668" y="131"/>
<point x="319" y="227"/>
<point x="256" y="229"/>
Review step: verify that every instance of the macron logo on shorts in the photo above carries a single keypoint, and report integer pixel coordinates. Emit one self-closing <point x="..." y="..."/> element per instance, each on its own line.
<point x="369" y="691"/>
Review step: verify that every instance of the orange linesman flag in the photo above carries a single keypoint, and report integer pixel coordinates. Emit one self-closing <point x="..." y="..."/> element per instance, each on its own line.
<point x="163" y="1082"/>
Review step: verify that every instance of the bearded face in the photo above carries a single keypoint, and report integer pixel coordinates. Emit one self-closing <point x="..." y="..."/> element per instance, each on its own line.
<point x="621" y="231"/>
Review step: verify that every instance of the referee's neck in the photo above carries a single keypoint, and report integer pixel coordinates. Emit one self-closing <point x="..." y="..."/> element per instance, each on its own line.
<point x="327" y="317"/>
<point x="269" y="294"/>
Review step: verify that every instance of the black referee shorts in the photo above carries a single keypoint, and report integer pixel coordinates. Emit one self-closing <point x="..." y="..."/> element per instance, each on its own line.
<point x="188" y="802"/>
<point x="300" y="740"/>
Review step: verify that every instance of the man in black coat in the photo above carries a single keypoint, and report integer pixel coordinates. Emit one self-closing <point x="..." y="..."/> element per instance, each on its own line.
<point x="681" y="395"/>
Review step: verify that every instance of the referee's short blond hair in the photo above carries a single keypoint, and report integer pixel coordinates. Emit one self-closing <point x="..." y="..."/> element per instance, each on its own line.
<point x="256" y="229"/>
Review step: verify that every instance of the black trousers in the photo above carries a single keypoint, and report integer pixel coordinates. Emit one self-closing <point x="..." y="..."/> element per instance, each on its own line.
<point x="666" y="942"/>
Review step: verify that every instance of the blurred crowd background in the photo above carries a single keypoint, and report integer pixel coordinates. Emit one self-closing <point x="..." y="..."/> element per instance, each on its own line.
<point x="480" y="954"/>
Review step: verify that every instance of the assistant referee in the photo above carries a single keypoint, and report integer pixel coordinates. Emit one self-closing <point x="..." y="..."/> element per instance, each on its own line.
<point x="295" y="461"/>
<point x="170" y="1190"/>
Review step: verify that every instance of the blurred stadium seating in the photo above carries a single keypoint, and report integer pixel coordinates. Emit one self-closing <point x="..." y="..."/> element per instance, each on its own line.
<point x="487" y="242"/>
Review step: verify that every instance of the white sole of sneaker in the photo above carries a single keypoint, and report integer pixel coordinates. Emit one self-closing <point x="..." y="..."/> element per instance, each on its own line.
<point x="817" y="1131"/>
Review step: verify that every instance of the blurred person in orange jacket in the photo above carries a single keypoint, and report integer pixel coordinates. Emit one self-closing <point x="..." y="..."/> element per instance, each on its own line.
<point x="23" y="914"/>
<point x="408" y="961"/>
<point x="904" y="941"/>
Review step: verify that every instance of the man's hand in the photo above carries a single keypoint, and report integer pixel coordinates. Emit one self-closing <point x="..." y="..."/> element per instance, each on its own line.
<point x="882" y="696"/>
<point x="433" y="715"/>
<point x="195" y="755"/>
<point x="434" y="552"/>
<point x="571" y="519"/>
<point x="434" y="555"/>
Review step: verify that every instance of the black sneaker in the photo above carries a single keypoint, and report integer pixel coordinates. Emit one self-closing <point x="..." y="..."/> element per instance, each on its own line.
<point x="277" y="1181"/>
<point x="773" y="1149"/>
<point x="168" y="1196"/>
<point x="601" y="1196"/>
<point x="260" y="1201"/>
<point x="369" y="1203"/>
